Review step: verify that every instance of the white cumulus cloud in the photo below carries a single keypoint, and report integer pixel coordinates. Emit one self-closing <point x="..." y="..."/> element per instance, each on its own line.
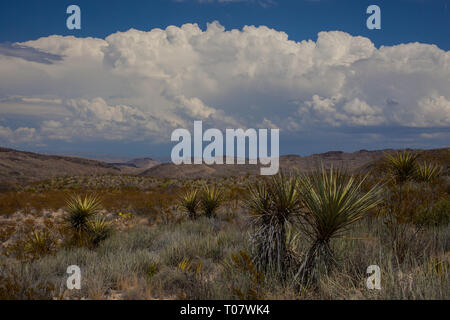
<point x="137" y="85"/>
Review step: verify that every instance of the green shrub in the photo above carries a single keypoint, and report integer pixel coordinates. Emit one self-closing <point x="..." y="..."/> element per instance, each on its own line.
<point x="436" y="216"/>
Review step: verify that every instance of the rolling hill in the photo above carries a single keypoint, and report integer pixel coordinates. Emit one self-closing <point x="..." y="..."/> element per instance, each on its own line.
<point x="20" y="166"/>
<point x="362" y="160"/>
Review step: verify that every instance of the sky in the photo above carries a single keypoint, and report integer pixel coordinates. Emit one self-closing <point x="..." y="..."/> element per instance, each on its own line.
<point x="137" y="70"/>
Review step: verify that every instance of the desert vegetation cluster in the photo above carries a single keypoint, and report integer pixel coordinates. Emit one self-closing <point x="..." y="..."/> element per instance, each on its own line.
<point x="296" y="235"/>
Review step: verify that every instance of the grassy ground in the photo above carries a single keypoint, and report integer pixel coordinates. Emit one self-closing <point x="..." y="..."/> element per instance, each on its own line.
<point x="157" y="252"/>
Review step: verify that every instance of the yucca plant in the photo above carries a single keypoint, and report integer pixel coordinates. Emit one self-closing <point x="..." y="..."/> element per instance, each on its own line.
<point x="190" y="201"/>
<point x="39" y="243"/>
<point x="211" y="199"/>
<point x="79" y="211"/>
<point x="272" y="204"/>
<point x="98" y="230"/>
<point x="402" y="166"/>
<point x="334" y="201"/>
<point x="427" y="172"/>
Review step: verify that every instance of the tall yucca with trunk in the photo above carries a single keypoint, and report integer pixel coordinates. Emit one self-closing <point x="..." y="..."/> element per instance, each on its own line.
<point x="272" y="204"/>
<point x="402" y="166"/>
<point x="334" y="201"/>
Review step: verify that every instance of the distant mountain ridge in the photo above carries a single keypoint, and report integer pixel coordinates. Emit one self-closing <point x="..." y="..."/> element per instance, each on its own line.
<point x="21" y="166"/>
<point x="361" y="160"/>
<point x="136" y="166"/>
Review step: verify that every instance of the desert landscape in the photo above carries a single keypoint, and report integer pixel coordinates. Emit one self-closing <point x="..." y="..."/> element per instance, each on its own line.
<point x="149" y="230"/>
<point x="225" y="159"/>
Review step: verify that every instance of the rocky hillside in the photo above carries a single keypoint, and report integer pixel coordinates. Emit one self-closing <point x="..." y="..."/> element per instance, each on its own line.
<point x="362" y="160"/>
<point x="19" y="166"/>
<point x="136" y="166"/>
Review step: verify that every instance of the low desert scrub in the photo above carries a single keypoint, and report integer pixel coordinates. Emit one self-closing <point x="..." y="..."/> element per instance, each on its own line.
<point x="16" y="283"/>
<point x="161" y="262"/>
<point x="247" y="282"/>
<point x="418" y="276"/>
<point x="250" y="244"/>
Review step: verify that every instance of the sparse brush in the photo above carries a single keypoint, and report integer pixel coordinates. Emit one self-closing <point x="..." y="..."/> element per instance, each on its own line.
<point x="272" y="204"/>
<point x="98" y="230"/>
<point x="15" y="284"/>
<point x="436" y="216"/>
<point x="292" y="238"/>
<point x="79" y="211"/>
<point x="211" y="200"/>
<point x="427" y="172"/>
<point x="402" y="166"/>
<point x="190" y="201"/>
<point x="252" y="286"/>
<point x="334" y="201"/>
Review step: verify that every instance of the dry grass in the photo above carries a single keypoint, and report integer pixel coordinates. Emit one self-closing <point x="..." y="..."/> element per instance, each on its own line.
<point x="157" y="252"/>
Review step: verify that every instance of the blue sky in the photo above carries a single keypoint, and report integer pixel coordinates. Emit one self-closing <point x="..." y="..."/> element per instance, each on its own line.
<point x="122" y="92"/>
<point x="425" y="21"/>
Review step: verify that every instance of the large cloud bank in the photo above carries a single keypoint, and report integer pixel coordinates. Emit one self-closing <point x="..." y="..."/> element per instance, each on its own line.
<point x="137" y="85"/>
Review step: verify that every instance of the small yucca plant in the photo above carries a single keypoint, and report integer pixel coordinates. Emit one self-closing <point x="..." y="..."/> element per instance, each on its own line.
<point x="427" y="172"/>
<point x="334" y="201"/>
<point x="98" y="230"/>
<point x="39" y="243"/>
<point x="402" y="166"/>
<point x="272" y="204"/>
<point x="79" y="211"/>
<point x="211" y="200"/>
<point x="190" y="201"/>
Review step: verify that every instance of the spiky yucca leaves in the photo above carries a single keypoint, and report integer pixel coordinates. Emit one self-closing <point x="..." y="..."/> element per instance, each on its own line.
<point x="79" y="211"/>
<point x="39" y="243"/>
<point x="211" y="199"/>
<point x="272" y="204"/>
<point x="427" y="172"/>
<point x="98" y="230"/>
<point x="402" y="166"/>
<point x="190" y="201"/>
<point x="334" y="201"/>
